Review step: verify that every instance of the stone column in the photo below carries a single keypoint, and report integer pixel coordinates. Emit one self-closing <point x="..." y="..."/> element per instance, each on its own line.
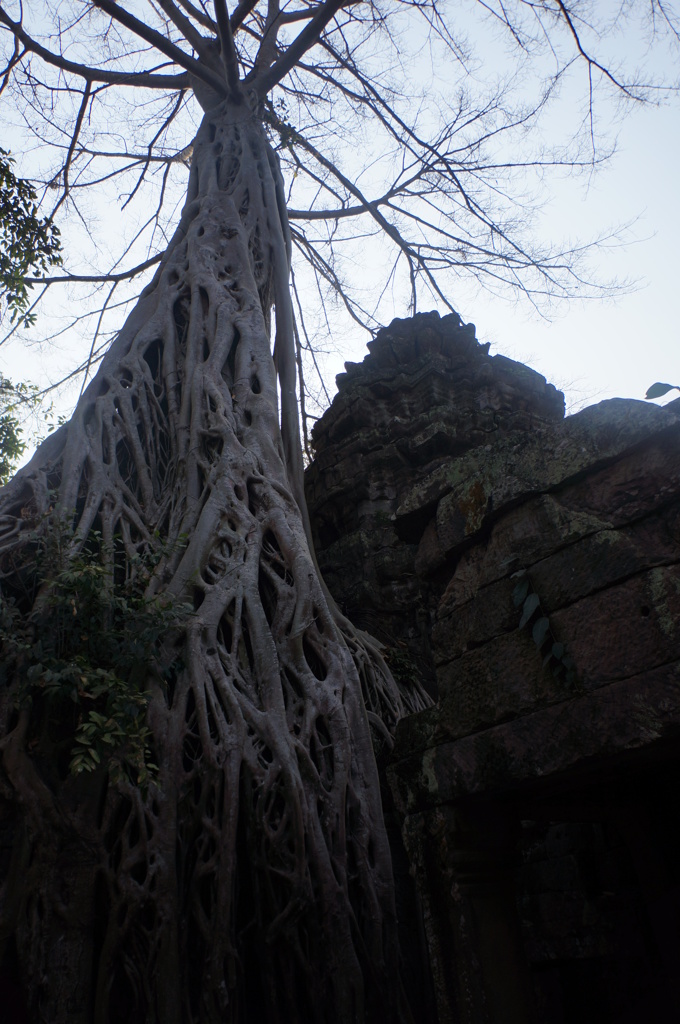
<point x="464" y="862"/>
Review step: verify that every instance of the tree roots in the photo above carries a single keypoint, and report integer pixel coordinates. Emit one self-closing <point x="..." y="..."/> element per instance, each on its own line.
<point x="252" y="880"/>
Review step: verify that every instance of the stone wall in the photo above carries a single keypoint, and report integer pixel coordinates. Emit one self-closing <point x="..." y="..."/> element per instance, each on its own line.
<point x="530" y="566"/>
<point x="426" y="393"/>
<point x="546" y="770"/>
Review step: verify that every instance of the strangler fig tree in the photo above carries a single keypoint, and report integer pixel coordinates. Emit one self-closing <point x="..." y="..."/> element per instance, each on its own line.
<point x="190" y="813"/>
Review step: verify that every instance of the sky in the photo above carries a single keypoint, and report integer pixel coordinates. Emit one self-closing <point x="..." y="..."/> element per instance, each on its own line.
<point x="592" y="350"/>
<point x="618" y="347"/>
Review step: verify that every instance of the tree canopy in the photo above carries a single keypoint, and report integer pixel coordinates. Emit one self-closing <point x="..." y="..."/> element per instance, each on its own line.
<point x="27" y="242"/>
<point x="391" y="121"/>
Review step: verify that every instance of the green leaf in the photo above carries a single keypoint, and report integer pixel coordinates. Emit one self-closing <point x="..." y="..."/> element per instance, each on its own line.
<point x="27" y="241"/>
<point x="530" y="605"/>
<point x="540" y="630"/>
<point x="659" y="389"/>
<point x="520" y="592"/>
<point x="558" y="651"/>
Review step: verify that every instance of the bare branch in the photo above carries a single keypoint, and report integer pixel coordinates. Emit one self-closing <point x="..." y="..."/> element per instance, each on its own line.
<point x="241" y="12"/>
<point x="147" y="79"/>
<point x="74" y="141"/>
<point x="293" y="53"/>
<point x="95" y="337"/>
<point x="125" y="275"/>
<point x="229" y="57"/>
<point x="169" y="119"/>
<point x="150" y="35"/>
<point x="289" y="17"/>
<point x="199" y="15"/>
<point x="192" y="36"/>
<point x="591" y="62"/>
<point x="11" y="64"/>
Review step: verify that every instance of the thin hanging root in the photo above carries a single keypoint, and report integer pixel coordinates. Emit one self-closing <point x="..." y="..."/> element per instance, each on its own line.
<point x="256" y="873"/>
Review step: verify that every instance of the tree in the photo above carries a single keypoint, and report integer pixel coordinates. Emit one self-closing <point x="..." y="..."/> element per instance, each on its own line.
<point x="221" y="856"/>
<point x="13" y="397"/>
<point x="27" y="242"/>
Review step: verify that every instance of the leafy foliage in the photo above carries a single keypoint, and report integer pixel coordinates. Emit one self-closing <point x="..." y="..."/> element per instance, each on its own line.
<point x="402" y="664"/>
<point x="27" y="241"/>
<point x="12" y="446"/>
<point x="658" y="390"/>
<point x="84" y="659"/>
<point x="533" y="617"/>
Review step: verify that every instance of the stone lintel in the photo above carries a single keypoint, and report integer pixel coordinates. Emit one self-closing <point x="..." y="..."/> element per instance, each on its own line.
<point x="639" y="716"/>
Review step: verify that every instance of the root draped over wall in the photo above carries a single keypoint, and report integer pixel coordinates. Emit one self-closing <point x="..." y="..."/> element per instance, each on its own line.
<point x="252" y="881"/>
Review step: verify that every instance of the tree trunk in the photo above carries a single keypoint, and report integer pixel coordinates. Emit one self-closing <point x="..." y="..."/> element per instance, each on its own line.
<point x="252" y="881"/>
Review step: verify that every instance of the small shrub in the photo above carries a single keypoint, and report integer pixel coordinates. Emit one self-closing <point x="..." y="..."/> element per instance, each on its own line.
<point x="84" y="658"/>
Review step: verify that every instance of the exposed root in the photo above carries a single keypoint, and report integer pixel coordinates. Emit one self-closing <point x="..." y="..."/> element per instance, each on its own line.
<point x="253" y="882"/>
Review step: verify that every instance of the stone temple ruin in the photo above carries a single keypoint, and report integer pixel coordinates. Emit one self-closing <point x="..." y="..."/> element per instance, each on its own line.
<point x="526" y="567"/>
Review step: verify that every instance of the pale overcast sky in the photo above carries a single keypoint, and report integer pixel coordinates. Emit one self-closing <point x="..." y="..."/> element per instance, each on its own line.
<point x="619" y="347"/>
